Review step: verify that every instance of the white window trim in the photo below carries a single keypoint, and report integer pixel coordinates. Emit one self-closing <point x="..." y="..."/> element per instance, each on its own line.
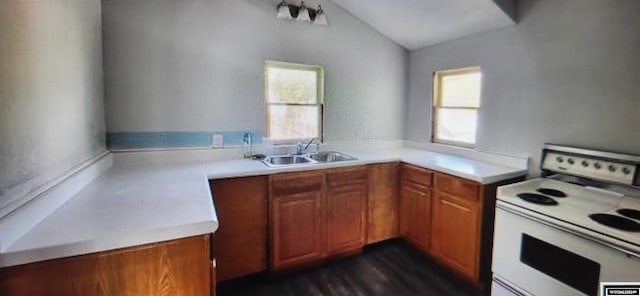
<point x="320" y="97"/>
<point x="436" y="98"/>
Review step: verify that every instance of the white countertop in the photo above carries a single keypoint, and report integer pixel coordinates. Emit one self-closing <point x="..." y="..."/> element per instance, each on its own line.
<point x="479" y="171"/>
<point x="135" y="204"/>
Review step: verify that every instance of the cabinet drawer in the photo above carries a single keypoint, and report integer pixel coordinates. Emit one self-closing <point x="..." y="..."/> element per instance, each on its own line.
<point x="456" y="186"/>
<point x="416" y="174"/>
<point x="345" y="176"/>
<point x="291" y="183"/>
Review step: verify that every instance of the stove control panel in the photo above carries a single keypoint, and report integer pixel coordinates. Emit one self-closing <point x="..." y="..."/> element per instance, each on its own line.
<point x="589" y="167"/>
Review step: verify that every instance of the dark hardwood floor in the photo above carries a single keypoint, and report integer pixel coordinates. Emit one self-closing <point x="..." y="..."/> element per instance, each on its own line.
<point x="389" y="268"/>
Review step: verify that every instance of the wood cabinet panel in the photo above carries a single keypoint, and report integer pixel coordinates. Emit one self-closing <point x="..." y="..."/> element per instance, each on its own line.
<point x="345" y="202"/>
<point x="296" y="219"/>
<point x="240" y="243"/>
<point x="213" y="277"/>
<point x="345" y="211"/>
<point x="297" y="222"/>
<point x="383" y="202"/>
<point x="292" y="183"/>
<point x="415" y="222"/>
<point x="312" y="218"/>
<point x="456" y="233"/>
<point x="346" y="176"/>
<point x="457" y="186"/>
<point x="416" y="174"/>
<point x="415" y="206"/>
<point x="178" y="267"/>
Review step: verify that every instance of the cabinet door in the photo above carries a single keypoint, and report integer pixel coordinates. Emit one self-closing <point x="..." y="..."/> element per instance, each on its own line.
<point x="240" y="243"/>
<point x="173" y="268"/>
<point x="383" y="201"/>
<point x="415" y="214"/>
<point x="346" y="218"/>
<point x="456" y="231"/>
<point x="296" y="222"/>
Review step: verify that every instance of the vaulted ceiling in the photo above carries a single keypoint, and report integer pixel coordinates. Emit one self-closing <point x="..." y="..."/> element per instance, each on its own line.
<point x="419" y="23"/>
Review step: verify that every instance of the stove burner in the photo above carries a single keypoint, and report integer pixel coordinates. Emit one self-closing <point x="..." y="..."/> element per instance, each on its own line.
<point x="538" y="199"/>
<point x="616" y="222"/>
<point x="552" y="192"/>
<point x="631" y="213"/>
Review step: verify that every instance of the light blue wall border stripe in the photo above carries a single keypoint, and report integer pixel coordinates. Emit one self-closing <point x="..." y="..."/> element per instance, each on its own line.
<point x="146" y="140"/>
<point x="237" y="138"/>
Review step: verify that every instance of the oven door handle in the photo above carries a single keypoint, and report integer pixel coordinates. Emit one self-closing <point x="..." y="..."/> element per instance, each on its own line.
<point x="509" y="286"/>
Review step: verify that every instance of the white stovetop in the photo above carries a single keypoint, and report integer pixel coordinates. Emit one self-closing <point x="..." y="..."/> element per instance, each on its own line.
<point x="136" y="202"/>
<point x="576" y="207"/>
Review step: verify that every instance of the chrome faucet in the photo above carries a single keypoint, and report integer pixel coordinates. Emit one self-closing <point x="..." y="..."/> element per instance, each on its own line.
<point x="301" y="148"/>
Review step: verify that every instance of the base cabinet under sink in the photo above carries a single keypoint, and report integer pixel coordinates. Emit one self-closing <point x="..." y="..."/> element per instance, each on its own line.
<point x="295" y="219"/>
<point x="316" y="214"/>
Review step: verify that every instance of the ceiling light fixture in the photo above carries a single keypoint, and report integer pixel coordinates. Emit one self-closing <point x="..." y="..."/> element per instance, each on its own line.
<point x="321" y="19"/>
<point x="301" y="13"/>
<point x="284" y="13"/>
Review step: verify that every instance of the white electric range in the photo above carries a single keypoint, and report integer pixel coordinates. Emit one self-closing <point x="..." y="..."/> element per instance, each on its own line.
<point x="571" y="230"/>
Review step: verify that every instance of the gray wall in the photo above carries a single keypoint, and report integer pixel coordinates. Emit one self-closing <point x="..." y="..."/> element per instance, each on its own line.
<point x="51" y="103"/>
<point x="197" y="65"/>
<point x="568" y="73"/>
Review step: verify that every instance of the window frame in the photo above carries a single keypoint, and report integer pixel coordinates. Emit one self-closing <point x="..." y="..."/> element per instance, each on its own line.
<point x="437" y="104"/>
<point x="319" y="97"/>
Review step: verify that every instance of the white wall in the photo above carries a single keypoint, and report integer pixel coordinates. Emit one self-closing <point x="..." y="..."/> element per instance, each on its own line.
<point x="51" y="103"/>
<point x="197" y="65"/>
<point x="568" y="73"/>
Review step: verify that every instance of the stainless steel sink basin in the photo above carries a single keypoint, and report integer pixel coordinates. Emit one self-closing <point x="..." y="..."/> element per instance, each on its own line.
<point x="284" y="160"/>
<point x="331" y="156"/>
<point x="292" y="160"/>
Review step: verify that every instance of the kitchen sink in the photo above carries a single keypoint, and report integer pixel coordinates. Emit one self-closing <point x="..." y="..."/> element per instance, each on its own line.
<point x="292" y="160"/>
<point x="280" y="160"/>
<point x="330" y="156"/>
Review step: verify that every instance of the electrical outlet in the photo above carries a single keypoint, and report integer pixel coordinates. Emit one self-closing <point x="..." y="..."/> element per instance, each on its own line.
<point x="218" y="141"/>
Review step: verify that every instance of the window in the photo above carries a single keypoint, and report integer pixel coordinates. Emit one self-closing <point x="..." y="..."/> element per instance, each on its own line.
<point x="456" y="99"/>
<point x="294" y="95"/>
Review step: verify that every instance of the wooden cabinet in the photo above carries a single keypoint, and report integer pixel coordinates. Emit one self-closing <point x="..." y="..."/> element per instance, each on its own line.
<point x="456" y="232"/>
<point x="313" y="215"/>
<point x="345" y="209"/>
<point x="240" y="243"/>
<point x="457" y="224"/>
<point x="450" y="219"/>
<point x="456" y="186"/>
<point x="178" y="267"/>
<point x="296" y="218"/>
<point x="383" y="202"/>
<point x="462" y="226"/>
<point x="415" y="206"/>
<point x="316" y="214"/>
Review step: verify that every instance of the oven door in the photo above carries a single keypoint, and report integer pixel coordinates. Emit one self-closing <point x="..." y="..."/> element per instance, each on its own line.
<point x="538" y="257"/>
